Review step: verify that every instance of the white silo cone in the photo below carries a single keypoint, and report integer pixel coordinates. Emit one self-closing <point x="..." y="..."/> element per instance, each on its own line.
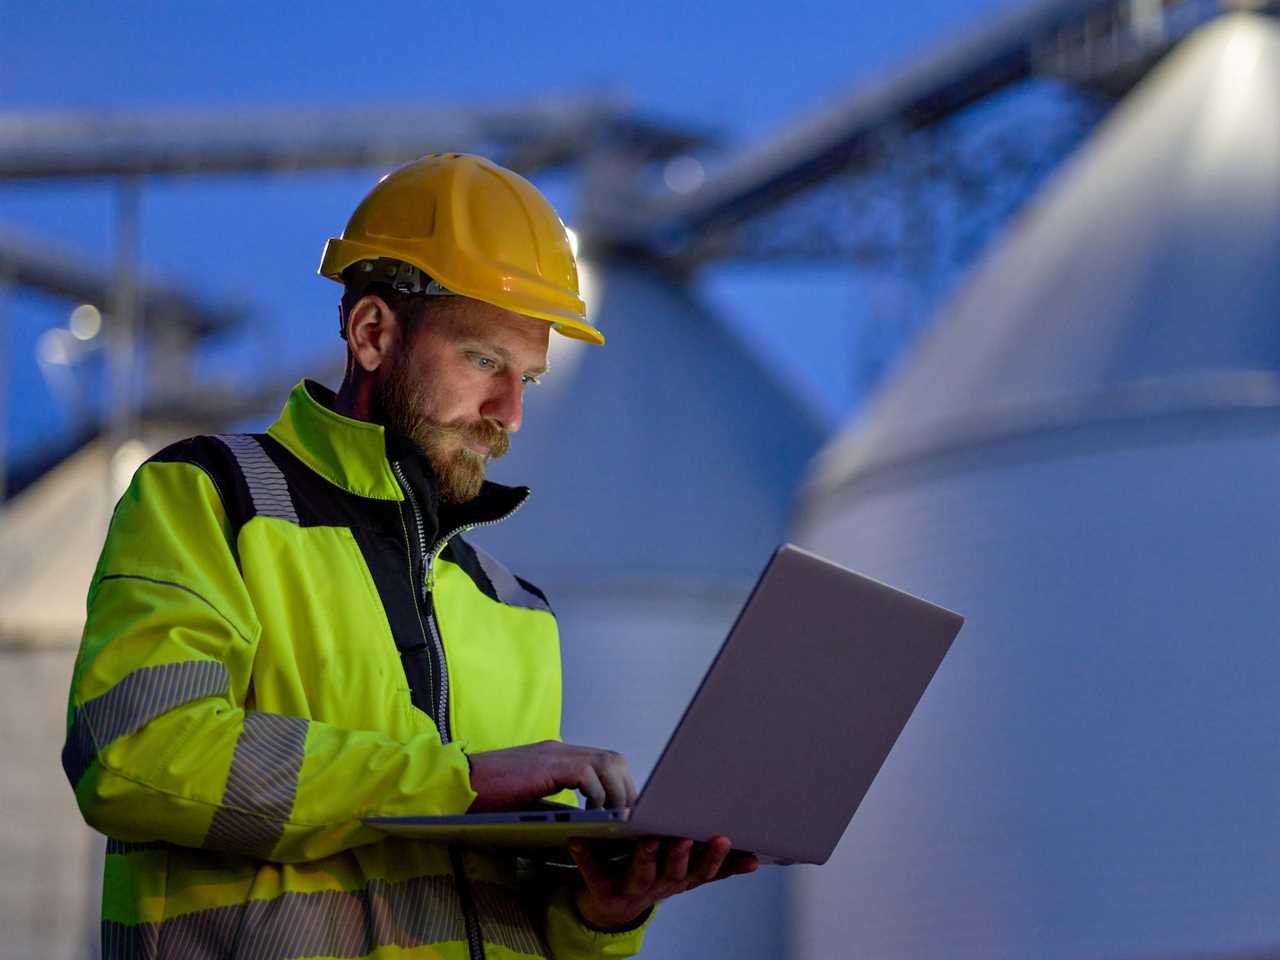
<point x="663" y="468"/>
<point x="1083" y="456"/>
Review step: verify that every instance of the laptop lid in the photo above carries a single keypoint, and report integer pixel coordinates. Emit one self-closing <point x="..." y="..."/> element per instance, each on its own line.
<point x="798" y="711"/>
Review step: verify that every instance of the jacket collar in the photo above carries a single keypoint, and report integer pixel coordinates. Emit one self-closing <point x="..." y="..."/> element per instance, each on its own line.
<point x="356" y="456"/>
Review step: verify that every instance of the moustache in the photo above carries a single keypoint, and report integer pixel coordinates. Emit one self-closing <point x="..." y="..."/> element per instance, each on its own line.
<point x="485" y="433"/>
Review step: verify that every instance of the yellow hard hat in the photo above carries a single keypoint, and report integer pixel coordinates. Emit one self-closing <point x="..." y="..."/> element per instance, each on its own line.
<point x="476" y="229"/>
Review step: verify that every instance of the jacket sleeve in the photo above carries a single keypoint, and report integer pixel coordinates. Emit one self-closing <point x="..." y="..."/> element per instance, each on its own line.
<point x="571" y="939"/>
<point x="163" y="742"/>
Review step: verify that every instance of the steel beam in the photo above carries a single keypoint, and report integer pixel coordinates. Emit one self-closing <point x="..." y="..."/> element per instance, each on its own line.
<point x="545" y="133"/>
<point x="25" y="263"/>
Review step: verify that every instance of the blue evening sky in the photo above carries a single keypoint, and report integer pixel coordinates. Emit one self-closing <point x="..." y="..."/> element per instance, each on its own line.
<point x="743" y="70"/>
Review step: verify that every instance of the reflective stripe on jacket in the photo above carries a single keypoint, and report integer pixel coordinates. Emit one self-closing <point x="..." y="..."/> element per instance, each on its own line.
<point x="285" y="635"/>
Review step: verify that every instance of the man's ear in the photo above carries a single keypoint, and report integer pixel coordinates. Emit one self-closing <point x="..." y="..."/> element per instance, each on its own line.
<point x="373" y="332"/>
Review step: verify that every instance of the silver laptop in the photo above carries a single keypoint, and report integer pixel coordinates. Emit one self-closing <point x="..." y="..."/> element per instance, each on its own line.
<point x="780" y="743"/>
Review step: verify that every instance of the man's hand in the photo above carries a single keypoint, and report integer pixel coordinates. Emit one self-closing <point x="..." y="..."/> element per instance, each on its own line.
<point x="516" y="778"/>
<point x="610" y="900"/>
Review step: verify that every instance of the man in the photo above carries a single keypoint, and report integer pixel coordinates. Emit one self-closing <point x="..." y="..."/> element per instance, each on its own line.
<point x="288" y="632"/>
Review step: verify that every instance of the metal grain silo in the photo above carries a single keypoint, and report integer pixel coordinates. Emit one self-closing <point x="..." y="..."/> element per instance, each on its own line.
<point x="1083" y="456"/>
<point x="50" y="538"/>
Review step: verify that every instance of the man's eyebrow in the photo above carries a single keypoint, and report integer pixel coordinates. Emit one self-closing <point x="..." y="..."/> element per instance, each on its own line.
<point x="505" y="355"/>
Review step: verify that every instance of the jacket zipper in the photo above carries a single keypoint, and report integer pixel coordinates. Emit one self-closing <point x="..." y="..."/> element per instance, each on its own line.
<point x="440" y="544"/>
<point x="437" y="647"/>
<point x="470" y="919"/>
<point x="428" y="591"/>
<point x="426" y="563"/>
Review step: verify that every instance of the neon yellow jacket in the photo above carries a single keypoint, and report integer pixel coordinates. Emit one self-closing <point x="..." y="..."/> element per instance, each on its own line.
<point x="266" y="612"/>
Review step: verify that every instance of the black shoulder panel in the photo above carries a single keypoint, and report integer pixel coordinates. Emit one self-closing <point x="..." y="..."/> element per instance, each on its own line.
<point x="216" y="460"/>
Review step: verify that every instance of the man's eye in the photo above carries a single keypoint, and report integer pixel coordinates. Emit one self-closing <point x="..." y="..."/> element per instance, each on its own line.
<point x="481" y="361"/>
<point x="528" y="379"/>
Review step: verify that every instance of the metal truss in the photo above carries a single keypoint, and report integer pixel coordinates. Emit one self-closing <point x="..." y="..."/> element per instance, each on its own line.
<point x="967" y="176"/>
<point x="912" y="216"/>
<point x="1097" y="45"/>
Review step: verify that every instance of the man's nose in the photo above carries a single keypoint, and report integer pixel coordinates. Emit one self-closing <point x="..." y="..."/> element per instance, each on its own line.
<point x="506" y="402"/>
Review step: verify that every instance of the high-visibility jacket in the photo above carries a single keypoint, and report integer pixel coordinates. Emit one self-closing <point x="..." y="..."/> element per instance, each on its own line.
<point x="286" y="634"/>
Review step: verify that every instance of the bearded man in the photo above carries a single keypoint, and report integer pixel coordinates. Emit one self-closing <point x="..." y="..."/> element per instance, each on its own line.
<point x="288" y="632"/>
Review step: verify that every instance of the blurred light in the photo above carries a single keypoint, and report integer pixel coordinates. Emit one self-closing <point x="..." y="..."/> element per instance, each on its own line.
<point x="1244" y="50"/>
<point x="85" y="322"/>
<point x="683" y="174"/>
<point x="129" y="456"/>
<point x="565" y="354"/>
<point x="589" y="288"/>
<point x="54" y="347"/>
<point x="573" y="240"/>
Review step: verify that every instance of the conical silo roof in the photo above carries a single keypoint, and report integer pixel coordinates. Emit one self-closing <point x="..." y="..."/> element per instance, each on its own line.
<point x="1154" y="257"/>
<point x="1082" y="457"/>
<point x="669" y="452"/>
